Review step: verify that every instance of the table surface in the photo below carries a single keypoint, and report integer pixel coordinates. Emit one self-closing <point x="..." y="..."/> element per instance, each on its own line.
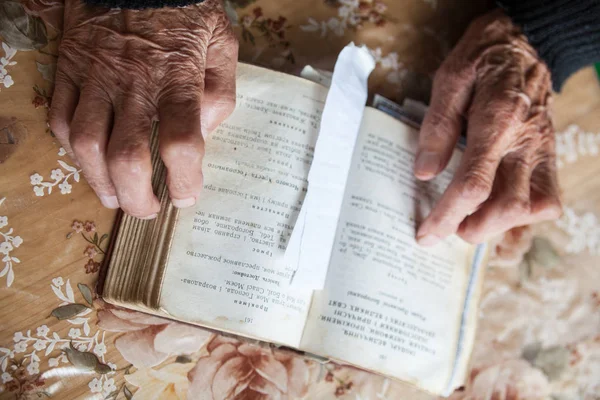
<point x="539" y="329"/>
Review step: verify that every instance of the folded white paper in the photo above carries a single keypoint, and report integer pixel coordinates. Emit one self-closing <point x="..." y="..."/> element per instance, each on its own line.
<point x="309" y="251"/>
<point x="317" y="75"/>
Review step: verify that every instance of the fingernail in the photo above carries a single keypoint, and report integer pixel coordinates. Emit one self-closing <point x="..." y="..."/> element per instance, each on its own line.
<point x="427" y="163"/>
<point x="109" y="201"/>
<point x="183" y="203"/>
<point x="151" y="216"/>
<point x="428" y="240"/>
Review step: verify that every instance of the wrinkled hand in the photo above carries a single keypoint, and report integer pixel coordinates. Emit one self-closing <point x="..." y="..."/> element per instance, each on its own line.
<point x="493" y="84"/>
<point x="120" y="69"/>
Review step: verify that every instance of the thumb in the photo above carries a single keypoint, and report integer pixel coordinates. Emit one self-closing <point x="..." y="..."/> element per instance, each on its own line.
<point x="443" y="122"/>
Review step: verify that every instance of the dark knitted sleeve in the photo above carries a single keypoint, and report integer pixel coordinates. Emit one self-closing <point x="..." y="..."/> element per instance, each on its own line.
<point x="566" y="33"/>
<point x="139" y="4"/>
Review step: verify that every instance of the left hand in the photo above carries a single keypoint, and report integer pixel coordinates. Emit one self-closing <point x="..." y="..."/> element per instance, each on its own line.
<point x="494" y="82"/>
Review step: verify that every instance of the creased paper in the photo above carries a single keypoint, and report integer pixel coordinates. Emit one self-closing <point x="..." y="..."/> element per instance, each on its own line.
<point x="317" y="75"/>
<point x="309" y="250"/>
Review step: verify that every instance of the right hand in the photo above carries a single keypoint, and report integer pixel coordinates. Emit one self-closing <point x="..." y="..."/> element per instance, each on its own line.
<point x="120" y="69"/>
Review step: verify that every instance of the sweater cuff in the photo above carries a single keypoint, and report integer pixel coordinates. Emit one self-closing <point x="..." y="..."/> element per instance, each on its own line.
<point x="141" y="4"/>
<point x="565" y="33"/>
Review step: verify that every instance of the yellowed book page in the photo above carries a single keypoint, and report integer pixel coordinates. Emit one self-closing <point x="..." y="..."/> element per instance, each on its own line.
<point x="389" y="305"/>
<point x="225" y="269"/>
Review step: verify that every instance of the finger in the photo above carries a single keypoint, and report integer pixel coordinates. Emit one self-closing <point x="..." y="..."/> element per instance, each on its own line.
<point x="128" y="156"/>
<point x="509" y="209"/>
<point x="64" y="103"/>
<point x="509" y="205"/>
<point x="545" y="192"/>
<point x="218" y="101"/>
<point x="496" y="112"/>
<point x="182" y="145"/>
<point x="521" y="196"/>
<point x="470" y="187"/>
<point x="537" y="85"/>
<point x="443" y="122"/>
<point x="90" y="130"/>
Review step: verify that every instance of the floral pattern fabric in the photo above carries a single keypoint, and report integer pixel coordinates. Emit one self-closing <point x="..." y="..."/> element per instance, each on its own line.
<point x="539" y="318"/>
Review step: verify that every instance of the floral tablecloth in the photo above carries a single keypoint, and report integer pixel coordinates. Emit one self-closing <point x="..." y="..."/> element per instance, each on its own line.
<point x="539" y="334"/>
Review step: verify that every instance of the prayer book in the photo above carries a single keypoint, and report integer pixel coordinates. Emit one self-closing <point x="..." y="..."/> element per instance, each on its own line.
<point x="386" y="304"/>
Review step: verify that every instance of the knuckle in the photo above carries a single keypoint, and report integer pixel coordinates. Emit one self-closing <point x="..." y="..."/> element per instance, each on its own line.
<point x="497" y="125"/>
<point x="226" y="41"/>
<point x="511" y="111"/>
<point x="475" y="187"/>
<point x="529" y="144"/>
<point x="84" y="145"/>
<point x="58" y="125"/>
<point x="437" y="118"/>
<point x="551" y="208"/>
<point x="555" y="211"/>
<point x="545" y="140"/>
<point x="439" y="125"/>
<point x="187" y="149"/>
<point x="485" y="150"/>
<point x="133" y="169"/>
<point x="132" y="162"/>
<point x="515" y="209"/>
<point x="181" y="98"/>
<point x="507" y="112"/>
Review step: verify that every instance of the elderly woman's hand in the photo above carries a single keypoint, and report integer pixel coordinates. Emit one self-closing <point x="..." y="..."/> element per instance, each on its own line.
<point x="120" y="69"/>
<point x="494" y="85"/>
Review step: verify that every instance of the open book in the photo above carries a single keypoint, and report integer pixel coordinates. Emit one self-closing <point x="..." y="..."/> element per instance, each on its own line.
<point x="387" y="305"/>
